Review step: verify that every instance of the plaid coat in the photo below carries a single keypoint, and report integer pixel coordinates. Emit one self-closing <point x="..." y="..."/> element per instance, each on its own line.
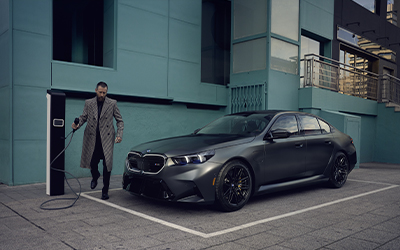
<point x="107" y="130"/>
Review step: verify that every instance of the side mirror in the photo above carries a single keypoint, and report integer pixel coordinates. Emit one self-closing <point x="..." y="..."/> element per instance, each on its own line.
<point x="278" y="134"/>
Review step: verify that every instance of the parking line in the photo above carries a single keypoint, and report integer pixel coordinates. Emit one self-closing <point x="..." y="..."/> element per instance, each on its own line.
<point x="148" y="217"/>
<point x="229" y="230"/>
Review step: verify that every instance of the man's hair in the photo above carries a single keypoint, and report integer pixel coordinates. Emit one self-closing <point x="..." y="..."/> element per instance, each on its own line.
<point x="102" y="84"/>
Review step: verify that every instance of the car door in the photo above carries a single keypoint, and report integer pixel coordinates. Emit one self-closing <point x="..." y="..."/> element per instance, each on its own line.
<point x="319" y="143"/>
<point x="285" y="157"/>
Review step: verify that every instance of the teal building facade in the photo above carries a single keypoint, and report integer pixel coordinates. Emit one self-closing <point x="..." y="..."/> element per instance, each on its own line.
<point x="173" y="66"/>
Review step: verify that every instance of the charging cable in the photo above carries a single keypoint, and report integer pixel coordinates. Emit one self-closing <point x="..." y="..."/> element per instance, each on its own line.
<point x="65" y="172"/>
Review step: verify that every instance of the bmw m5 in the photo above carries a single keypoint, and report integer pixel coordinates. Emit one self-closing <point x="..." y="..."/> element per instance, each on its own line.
<point x="238" y="156"/>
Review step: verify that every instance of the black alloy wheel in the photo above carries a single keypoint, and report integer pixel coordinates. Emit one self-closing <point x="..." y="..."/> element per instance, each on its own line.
<point x="340" y="170"/>
<point x="233" y="186"/>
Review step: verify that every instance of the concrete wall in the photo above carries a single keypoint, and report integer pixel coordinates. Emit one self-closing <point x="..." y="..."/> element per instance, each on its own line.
<point x="317" y="17"/>
<point x="158" y="55"/>
<point x="31" y="70"/>
<point x="387" y="143"/>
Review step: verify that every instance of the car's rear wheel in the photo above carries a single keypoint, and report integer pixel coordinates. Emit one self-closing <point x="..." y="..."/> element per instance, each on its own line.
<point x="339" y="171"/>
<point x="233" y="186"/>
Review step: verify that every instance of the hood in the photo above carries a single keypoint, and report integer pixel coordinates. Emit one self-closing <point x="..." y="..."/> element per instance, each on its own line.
<point x="189" y="144"/>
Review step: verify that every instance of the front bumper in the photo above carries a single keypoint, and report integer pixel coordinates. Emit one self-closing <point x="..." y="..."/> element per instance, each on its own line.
<point x="192" y="183"/>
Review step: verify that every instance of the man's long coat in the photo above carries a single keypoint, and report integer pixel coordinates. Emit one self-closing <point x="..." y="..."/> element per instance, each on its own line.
<point x="107" y="130"/>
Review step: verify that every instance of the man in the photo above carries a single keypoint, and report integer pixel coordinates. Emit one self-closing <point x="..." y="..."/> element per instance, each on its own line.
<point x="99" y="135"/>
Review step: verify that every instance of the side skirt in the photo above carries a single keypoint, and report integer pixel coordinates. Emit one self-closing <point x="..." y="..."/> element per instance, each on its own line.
<point x="290" y="184"/>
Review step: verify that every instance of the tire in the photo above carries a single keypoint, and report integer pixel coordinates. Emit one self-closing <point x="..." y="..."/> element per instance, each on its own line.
<point x="339" y="171"/>
<point x="233" y="186"/>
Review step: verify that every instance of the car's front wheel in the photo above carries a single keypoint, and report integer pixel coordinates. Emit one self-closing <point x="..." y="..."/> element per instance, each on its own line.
<point x="233" y="186"/>
<point x="339" y="171"/>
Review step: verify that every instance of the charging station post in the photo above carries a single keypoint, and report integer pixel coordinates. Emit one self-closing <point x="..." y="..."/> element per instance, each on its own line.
<point x="55" y="142"/>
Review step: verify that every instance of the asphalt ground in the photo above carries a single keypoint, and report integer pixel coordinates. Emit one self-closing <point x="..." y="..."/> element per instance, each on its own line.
<point x="363" y="214"/>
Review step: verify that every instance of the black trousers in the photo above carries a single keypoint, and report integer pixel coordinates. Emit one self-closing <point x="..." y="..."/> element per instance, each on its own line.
<point x="98" y="155"/>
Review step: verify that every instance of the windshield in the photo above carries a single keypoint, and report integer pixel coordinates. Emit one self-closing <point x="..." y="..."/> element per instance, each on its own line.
<point x="249" y="125"/>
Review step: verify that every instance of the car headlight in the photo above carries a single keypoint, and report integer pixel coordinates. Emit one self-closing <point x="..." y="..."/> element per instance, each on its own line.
<point x="193" y="158"/>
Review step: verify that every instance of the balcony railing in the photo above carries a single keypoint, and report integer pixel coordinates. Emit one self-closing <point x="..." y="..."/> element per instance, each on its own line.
<point x="323" y="72"/>
<point x="389" y="89"/>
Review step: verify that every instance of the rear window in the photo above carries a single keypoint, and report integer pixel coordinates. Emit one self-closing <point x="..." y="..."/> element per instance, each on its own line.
<point x="325" y="128"/>
<point x="309" y="125"/>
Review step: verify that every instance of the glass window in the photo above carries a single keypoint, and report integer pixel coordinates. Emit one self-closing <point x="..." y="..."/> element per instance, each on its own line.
<point x="392" y="10"/>
<point x="79" y="33"/>
<point x="285" y="18"/>
<point x="365" y="44"/>
<point x="284" y="56"/>
<point x="250" y="55"/>
<point x="309" y="125"/>
<point x="368" y="4"/>
<point x="308" y="46"/>
<point x="288" y="123"/>
<point x="215" y="41"/>
<point x="325" y="128"/>
<point x="250" y="18"/>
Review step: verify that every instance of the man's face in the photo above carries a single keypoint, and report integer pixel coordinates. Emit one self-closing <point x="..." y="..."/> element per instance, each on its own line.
<point x="101" y="93"/>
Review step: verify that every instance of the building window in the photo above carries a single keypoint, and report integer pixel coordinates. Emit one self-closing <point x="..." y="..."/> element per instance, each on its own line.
<point x="285" y="18"/>
<point x="250" y="32"/>
<point x="250" y="55"/>
<point x="368" y="4"/>
<point x="215" y="41"/>
<point x="250" y="18"/>
<point x="308" y="46"/>
<point x="80" y="34"/>
<point x="284" y="56"/>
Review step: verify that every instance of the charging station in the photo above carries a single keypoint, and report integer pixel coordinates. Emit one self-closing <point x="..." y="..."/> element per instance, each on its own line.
<point x="55" y="142"/>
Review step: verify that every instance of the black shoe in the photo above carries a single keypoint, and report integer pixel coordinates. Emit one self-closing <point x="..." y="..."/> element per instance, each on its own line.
<point x="93" y="183"/>
<point x="105" y="196"/>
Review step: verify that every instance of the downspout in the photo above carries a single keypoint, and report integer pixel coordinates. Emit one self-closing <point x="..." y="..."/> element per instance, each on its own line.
<point x="11" y="29"/>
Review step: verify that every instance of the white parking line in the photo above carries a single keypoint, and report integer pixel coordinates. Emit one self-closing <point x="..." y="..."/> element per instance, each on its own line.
<point x="229" y="230"/>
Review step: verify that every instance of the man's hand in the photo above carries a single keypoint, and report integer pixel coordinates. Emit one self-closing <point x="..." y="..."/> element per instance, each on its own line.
<point x="118" y="139"/>
<point x="75" y="126"/>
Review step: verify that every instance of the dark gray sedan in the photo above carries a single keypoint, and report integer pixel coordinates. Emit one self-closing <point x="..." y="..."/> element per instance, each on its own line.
<point x="240" y="155"/>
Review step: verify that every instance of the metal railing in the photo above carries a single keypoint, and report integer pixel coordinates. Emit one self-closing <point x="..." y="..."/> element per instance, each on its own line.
<point x="323" y="72"/>
<point x="389" y="89"/>
<point x="247" y="97"/>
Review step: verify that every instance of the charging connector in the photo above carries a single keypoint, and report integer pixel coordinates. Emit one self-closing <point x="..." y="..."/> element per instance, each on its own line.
<point x="65" y="172"/>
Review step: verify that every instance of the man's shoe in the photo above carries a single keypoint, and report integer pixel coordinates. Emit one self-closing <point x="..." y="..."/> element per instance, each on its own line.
<point x="104" y="197"/>
<point x="93" y="183"/>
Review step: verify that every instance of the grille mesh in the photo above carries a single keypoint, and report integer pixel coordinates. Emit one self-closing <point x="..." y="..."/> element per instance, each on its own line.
<point x="150" y="163"/>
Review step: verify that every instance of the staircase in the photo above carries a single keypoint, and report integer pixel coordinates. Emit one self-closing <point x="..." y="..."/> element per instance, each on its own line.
<point x="393" y="105"/>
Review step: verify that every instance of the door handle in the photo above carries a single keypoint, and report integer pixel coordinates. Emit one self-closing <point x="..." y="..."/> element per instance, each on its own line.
<point x="328" y="142"/>
<point x="299" y="145"/>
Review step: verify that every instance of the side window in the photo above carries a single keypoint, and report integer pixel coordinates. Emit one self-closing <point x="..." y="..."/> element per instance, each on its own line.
<point x="287" y="122"/>
<point x="325" y="128"/>
<point x="309" y="125"/>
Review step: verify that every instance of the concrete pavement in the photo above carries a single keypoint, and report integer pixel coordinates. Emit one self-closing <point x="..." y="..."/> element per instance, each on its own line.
<point x="364" y="214"/>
